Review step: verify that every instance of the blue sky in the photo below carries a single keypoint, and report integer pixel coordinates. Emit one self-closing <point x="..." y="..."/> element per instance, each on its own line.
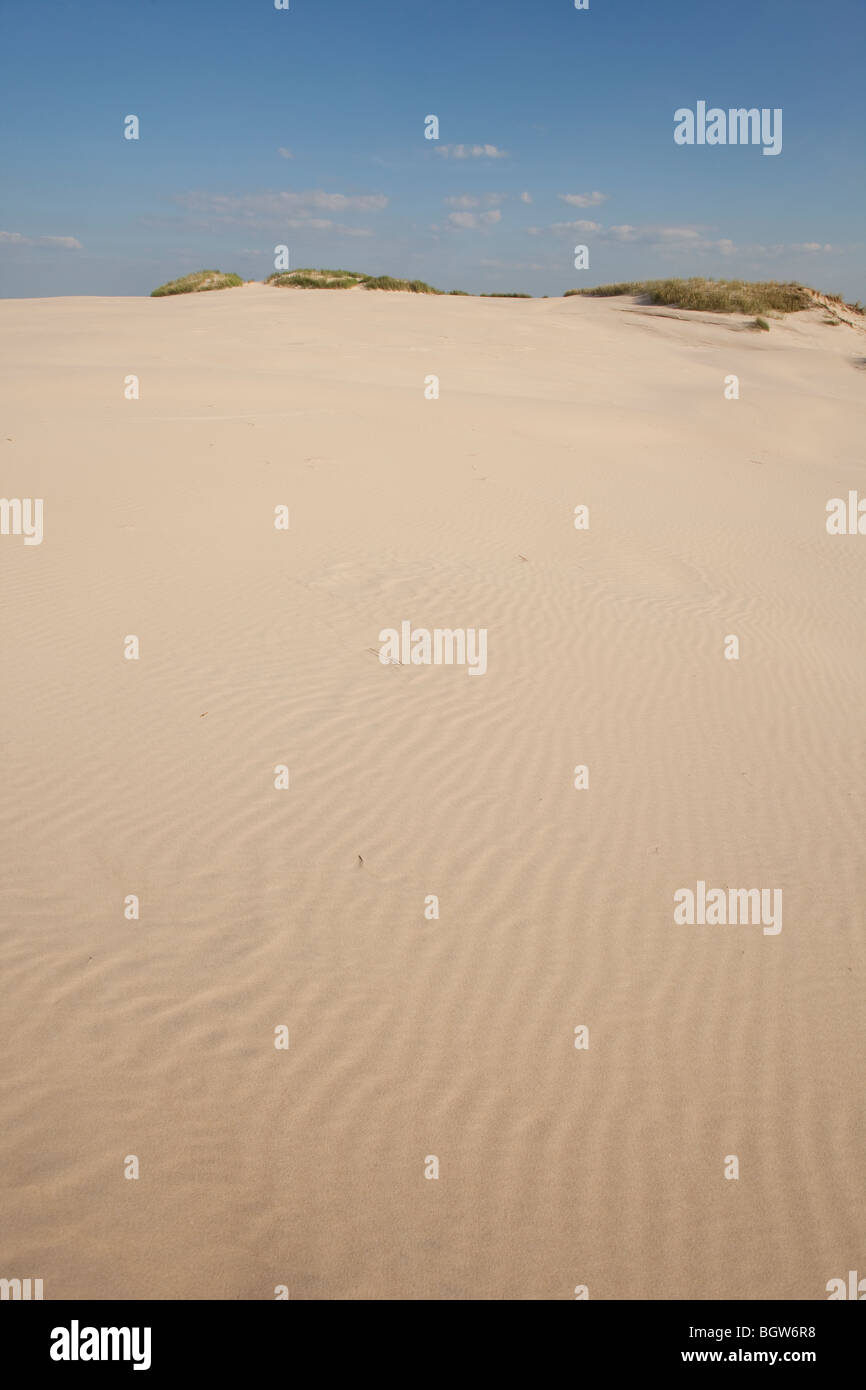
<point x="573" y="110"/>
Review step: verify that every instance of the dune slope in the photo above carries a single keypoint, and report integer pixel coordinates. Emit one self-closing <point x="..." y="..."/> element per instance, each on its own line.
<point x="454" y="1036"/>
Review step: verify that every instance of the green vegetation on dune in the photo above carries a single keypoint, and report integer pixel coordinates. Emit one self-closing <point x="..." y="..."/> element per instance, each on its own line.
<point x="196" y="282"/>
<point x="387" y="282"/>
<point x="609" y="291"/>
<point x="714" y="296"/>
<point x="718" y="296"/>
<point x="310" y="279"/>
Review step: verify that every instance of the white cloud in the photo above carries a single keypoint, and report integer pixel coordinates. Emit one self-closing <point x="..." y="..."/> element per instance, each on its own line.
<point x="526" y="197"/>
<point x="676" y="233"/>
<point x="471" y="152"/>
<point x="584" y="200"/>
<point x="758" y="252"/>
<point x="673" y="242"/>
<point x="474" y="219"/>
<point x="285" y="153"/>
<point x="68" y="243"/>
<point x="671" y="239"/>
<point x="566" y="227"/>
<point x="286" y="208"/>
<point x="472" y="200"/>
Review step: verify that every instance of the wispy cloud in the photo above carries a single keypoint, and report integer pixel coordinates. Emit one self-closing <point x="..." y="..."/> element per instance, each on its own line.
<point x="471" y="152"/>
<point x="526" y="197"/>
<point x="566" y="227"/>
<point x="472" y="200"/>
<point x="474" y="219"/>
<point x="285" y="153"/>
<point x="67" y="243"/>
<point x="286" y="209"/>
<point x="584" y="200"/>
<point x="689" y="237"/>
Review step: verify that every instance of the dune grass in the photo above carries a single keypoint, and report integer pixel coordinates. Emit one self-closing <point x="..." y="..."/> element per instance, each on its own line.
<point x="387" y="282"/>
<point x="718" y="296"/>
<point x="196" y="282"/>
<point x="310" y="279"/>
<point x="856" y="307"/>
<point x="610" y="291"/>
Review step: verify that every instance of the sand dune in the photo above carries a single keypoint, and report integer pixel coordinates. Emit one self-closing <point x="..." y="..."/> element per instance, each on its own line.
<point x="411" y="1037"/>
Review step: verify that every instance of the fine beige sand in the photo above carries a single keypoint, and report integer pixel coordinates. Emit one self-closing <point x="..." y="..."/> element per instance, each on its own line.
<point x="408" y="1037"/>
